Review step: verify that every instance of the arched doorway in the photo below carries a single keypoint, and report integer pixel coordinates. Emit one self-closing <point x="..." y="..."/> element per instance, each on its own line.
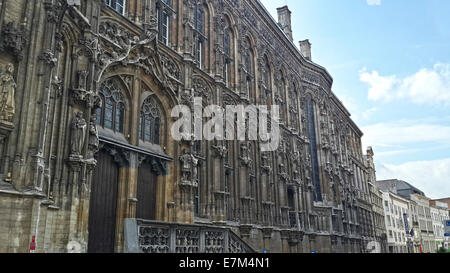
<point x="103" y="205"/>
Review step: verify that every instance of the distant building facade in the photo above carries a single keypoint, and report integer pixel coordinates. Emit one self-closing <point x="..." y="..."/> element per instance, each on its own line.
<point x="442" y="200"/>
<point x="421" y="236"/>
<point x="376" y="196"/>
<point x="426" y="230"/>
<point x="439" y="214"/>
<point x="397" y="219"/>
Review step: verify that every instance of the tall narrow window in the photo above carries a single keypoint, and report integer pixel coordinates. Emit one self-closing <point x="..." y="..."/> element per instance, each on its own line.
<point x="118" y="5"/>
<point x="200" y="17"/>
<point x="293" y="107"/>
<point x="163" y="11"/>
<point x="266" y="76"/>
<point x="266" y="73"/>
<point x="199" y="34"/>
<point x="291" y="199"/>
<point x="197" y="192"/>
<point x="313" y="148"/>
<point x="226" y="50"/>
<point x="150" y="121"/>
<point x="282" y="96"/>
<point x="248" y="68"/>
<point x="111" y="114"/>
<point x="227" y="182"/>
<point x="200" y="53"/>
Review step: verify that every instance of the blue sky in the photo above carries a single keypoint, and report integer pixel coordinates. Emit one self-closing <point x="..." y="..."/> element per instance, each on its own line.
<point x="390" y="61"/>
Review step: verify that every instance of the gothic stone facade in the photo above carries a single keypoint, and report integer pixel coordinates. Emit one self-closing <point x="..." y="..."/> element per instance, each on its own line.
<point x="86" y="137"/>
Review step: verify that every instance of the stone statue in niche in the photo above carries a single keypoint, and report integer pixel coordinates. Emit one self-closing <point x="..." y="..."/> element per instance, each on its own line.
<point x="334" y="192"/>
<point x="78" y="128"/>
<point x="94" y="143"/>
<point x="7" y="92"/>
<point x="194" y="169"/>
<point x="245" y="157"/>
<point x="186" y="166"/>
<point x="82" y="80"/>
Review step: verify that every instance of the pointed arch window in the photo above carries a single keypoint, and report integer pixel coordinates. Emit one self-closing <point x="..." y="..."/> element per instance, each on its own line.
<point x="293" y="106"/>
<point x="227" y="57"/>
<point x="282" y="96"/>
<point x="150" y="121"/>
<point x="266" y="73"/>
<point x="248" y="68"/>
<point x="112" y="113"/>
<point x="311" y="129"/>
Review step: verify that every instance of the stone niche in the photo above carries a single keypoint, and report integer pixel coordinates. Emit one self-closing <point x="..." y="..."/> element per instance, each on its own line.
<point x="7" y="112"/>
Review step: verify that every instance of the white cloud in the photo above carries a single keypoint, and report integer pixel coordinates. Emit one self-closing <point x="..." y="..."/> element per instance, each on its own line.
<point x="427" y="86"/>
<point x="432" y="177"/>
<point x="412" y="136"/>
<point x="408" y="131"/>
<point x="369" y="112"/>
<point x="359" y="113"/>
<point x="373" y="2"/>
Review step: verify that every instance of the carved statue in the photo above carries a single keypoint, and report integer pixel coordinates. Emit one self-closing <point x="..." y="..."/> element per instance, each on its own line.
<point x="186" y="164"/>
<point x="78" y="132"/>
<point x="7" y="91"/>
<point x="333" y="192"/>
<point x="244" y="151"/>
<point x="220" y="150"/>
<point x="264" y="160"/>
<point x="94" y="143"/>
<point x="194" y="168"/>
<point x="296" y="177"/>
<point x="82" y="79"/>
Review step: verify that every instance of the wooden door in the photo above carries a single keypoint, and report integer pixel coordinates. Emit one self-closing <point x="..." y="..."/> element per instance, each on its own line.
<point x="146" y="193"/>
<point x="103" y="205"/>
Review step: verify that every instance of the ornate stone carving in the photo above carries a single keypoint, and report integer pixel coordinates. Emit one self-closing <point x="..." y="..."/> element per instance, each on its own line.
<point x="121" y="44"/>
<point x="265" y="163"/>
<point x="78" y="130"/>
<point x="187" y="241"/>
<point x="186" y="164"/>
<point x="220" y="150"/>
<point x="7" y="93"/>
<point x="189" y="165"/>
<point x="81" y="95"/>
<point x="154" y="240"/>
<point x="13" y="39"/>
<point x="244" y="154"/>
<point x="56" y="10"/>
<point x="170" y="67"/>
<point x="215" y="242"/>
<point x="48" y="57"/>
<point x="93" y="145"/>
<point x="201" y="88"/>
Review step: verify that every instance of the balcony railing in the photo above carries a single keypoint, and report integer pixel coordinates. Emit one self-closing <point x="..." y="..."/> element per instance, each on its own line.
<point x="159" y="237"/>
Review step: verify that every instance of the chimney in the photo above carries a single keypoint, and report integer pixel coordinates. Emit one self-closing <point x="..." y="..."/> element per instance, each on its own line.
<point x="305" y="49"/>
<point x="284" y="20"/>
